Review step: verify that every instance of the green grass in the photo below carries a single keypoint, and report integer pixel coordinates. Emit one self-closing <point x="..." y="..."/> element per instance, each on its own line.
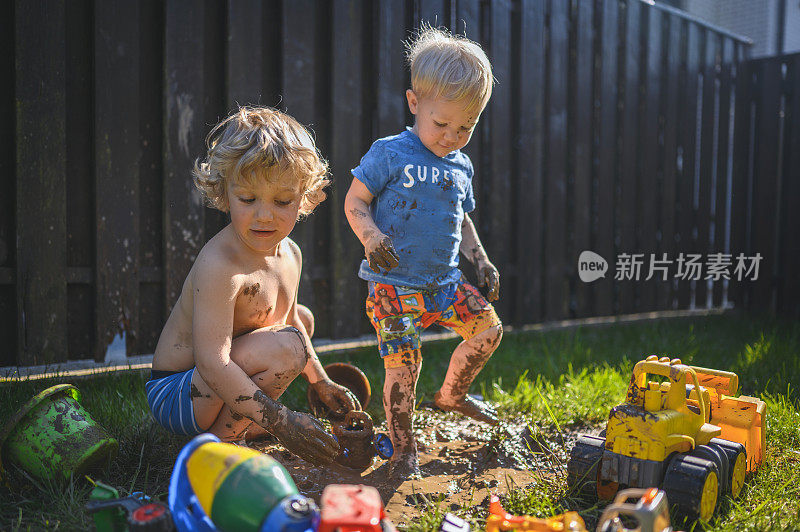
<point x="562" y="379"/>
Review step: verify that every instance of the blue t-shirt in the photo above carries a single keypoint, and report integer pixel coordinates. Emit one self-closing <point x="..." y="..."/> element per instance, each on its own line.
<point x="420" y="201"/>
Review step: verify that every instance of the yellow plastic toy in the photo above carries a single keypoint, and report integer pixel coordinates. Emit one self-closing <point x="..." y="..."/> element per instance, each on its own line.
<point x="498" y="519"/>
<point x="684" y="431"/>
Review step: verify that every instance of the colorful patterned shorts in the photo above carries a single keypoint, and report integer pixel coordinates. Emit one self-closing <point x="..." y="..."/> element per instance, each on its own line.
<point x="400" y="314"/>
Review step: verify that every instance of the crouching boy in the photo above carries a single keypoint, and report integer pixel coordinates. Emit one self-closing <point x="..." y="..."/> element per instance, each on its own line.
<point x="237" y="337"/>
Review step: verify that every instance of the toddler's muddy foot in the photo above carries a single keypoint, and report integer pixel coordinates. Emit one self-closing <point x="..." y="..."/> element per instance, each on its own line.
<point x="405" y="467"/>
<point x="470" y="407"/>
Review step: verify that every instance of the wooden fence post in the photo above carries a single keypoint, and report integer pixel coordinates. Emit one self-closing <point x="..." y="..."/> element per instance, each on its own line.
<point x="607" y="157"/>
<point x="117" y="158"/>
<point x="185" y="130"/>
<point x="41" y="182"/>
<point x="347" y="148"/>
<point x="556" y="288"/>
<point x="529" y="192"/>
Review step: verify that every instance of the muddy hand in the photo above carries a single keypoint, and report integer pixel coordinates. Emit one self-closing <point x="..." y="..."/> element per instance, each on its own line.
<point x="490" y="277"/>
<point x="305" y="436"/>
<point x="380" y="253"/>
<point x="337" y="398"/>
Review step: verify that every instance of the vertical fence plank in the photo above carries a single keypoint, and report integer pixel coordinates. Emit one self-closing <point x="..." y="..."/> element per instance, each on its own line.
<point x="606" y="141"/>
<point x="687" y="146"/>
<point x="629" y="133"/>
<point x="498" y="240"/>
<point x="529" y="193"/>
<point x="247" y="59"/>
<point x="151" y="170"/>
<point x="707" y="178"/>
<point x="556" y="288"/>
<point x="765" y="181"/>
<point x="651" y="162"/>
<point x="390" y="69"/>
<point x="117" y="155"/>
<point x="185" y="131"/>
<point x="741" y="178"/>
<point x="720" y="212"/>
<point x="41" y="187"/>
<point x="670" y="116"/>
<point x="80" y="191"/>
<point x="789" y="290"/>
<point x="348" y="147"/>
<point x="581" y="127"/>
<point x="253" y="61"/>
<point x="8" y="304"/>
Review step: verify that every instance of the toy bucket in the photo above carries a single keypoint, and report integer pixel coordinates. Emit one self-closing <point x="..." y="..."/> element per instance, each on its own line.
<point x="52" y="436"/>
<point x="348" y="376"/>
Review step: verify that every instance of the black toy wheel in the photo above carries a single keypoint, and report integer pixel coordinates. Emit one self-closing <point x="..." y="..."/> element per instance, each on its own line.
<point x="737" y="458"/>
<point x="583" y="468"/>
<point x="692" y="484"/>
<point x="720" y="458"/>
<point x="152" y="517"/>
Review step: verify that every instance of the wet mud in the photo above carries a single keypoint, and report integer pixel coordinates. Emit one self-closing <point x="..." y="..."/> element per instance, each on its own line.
<point x="463" y="462"/>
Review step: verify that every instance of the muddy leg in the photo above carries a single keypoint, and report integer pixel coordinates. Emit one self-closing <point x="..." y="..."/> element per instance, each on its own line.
<point x="467" y="361"/>
<point x="273" y="357"/>
<point x="399" y="398"/>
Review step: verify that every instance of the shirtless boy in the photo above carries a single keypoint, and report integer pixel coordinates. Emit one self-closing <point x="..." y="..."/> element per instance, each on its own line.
<point x="237" y="337"/>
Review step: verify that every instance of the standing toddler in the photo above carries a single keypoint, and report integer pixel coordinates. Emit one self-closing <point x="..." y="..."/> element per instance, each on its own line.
<point x="408" y="204"/>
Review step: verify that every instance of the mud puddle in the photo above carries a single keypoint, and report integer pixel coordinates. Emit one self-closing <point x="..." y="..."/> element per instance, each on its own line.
<point x="463" y="461"/>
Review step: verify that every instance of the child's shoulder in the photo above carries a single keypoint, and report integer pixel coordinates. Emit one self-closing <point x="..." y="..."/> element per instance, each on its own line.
<point x="295" y="254"/>
<point x="400" y="141"/>
<point x="217" y="259"/>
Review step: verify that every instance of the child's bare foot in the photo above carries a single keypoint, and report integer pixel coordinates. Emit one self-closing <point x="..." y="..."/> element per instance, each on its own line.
<point x="469" y="406"/>
<point x="405" y="467"/>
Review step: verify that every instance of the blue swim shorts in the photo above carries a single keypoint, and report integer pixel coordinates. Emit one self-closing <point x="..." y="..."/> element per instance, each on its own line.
<point x="170" y="400"/>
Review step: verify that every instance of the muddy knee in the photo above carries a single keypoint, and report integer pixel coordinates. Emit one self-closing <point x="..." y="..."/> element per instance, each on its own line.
<point x="487" y="341"/>
<point x="307" y="318"/>
<point x="294" y="346"/>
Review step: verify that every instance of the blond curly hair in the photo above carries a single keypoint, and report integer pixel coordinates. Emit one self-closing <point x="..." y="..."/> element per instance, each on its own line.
<point x="450" y="67"/>
<point x="256" y="143"/>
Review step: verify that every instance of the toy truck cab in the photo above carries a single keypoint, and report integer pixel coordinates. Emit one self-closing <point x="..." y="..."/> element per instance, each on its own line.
<point x="656" y="419"/>
<point x="679" y="428"/>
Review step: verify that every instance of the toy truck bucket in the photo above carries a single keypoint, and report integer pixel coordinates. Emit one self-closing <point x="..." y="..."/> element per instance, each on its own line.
<point x="742" y="418"/>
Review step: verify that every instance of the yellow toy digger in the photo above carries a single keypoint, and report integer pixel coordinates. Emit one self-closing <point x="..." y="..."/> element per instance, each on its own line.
<point x="683" y="431"/>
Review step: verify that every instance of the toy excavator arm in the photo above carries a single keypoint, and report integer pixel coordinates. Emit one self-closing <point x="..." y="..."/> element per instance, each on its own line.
<point x="677" y="374"/>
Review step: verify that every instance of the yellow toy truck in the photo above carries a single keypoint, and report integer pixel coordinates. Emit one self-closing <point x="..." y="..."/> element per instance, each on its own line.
<point x="682" y="429"/>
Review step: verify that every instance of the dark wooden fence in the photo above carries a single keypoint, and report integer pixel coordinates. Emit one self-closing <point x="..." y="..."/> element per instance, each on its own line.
<point x="610" y="129"/>
<point x="767" y="177"/>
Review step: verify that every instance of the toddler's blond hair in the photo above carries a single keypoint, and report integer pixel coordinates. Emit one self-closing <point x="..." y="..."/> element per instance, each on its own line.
<point x="257" y="143"/>
<point x="449" y="66"/>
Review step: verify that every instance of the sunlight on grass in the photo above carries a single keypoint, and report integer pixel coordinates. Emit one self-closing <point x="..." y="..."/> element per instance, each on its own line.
<point x="565" y="379"/>
<point x="574" y="398"/>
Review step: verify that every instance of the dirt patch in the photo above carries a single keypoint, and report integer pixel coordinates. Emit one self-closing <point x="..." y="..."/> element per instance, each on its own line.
<point x="463" y="461"/>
